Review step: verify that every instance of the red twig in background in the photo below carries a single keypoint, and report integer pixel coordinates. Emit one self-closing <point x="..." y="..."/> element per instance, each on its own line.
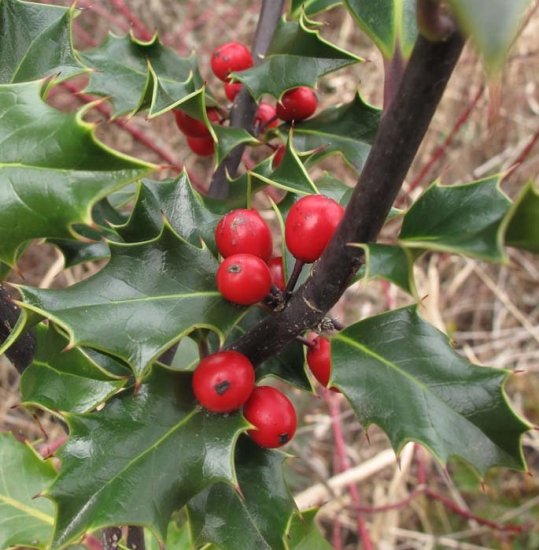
<point x="439" y="152"/>
<point x="48" y="449"/>
<point x="523" y="155"/>
<point x="343" y="464"/>
<point x="105" y="14"/>
<point x="138" y="26"/>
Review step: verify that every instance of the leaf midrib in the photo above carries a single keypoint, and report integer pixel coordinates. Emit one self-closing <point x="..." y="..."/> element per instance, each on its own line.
<point x="45" y="518"/>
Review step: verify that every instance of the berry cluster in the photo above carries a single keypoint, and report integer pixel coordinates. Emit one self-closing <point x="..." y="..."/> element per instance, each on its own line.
<point x="225" y="381"/>
<point x="296" y="104"/>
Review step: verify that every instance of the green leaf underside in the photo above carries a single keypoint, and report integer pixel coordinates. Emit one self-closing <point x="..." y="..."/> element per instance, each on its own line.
<point x="312" y="7"/>
<point x="137" y="75"/>
<point x="52" y="169"/>
<point x="348" y="130"/>
<point x="390" y="24"/>
<point x="492" y="24"/>
<point x="400" y="373"/>
<point x="523" y="220"/>
<point x="256" y="520"/>
<point x="39" y="39"/>
<point x="304" y="533"/>
<point x="297" y="56"/>
<point x="463" y="219"/>
<point x="24" y="520"/>
<point x="147" y="297"/>
<point x="392" y="263"/>
<point x="155" y="442"/>
<point x="64" y="380"/>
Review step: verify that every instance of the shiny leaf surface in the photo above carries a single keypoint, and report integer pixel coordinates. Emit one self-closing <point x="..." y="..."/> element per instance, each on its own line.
<point x="64" y="380"/>
<point x="156" y="291"/>
<point x="24" y="520"/>
<point x="463" y="219"/>
<point x="153" y="442"/>
<point x="38" y="48"/>
<point x="400" y="373"/>
<point x="523" y="220"/>
<point x="52" y="169"/>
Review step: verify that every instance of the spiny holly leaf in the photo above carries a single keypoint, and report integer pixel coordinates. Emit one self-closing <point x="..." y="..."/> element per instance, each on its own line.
<point x="62" y="380"/>
<point x="390" y="24"/>
<point x="229" y="138"/>
<point x="138" y="75"/>
<point x="153" y="442"/>
<point x="178" y="537"/>
<point x="257" y="519"/>
<point x="463" y="219"/>
<point x="304" y="533"/>
<point x="400" y="373"/>
<point x="311" y="7"/>
<point x="523" y="220"/>
<point x="148" y="296"/>
<point x="36" y="42"/>
<point x="392" y="263"/>
<point x="492" y="24"/>
<point x="77" y="252"/>
<point x="290" y="175"/>
<point x="25" y="521"/>
<point x="52" y="169"/>
<point x="297" y="56"/>
<point x="348" y="130"/>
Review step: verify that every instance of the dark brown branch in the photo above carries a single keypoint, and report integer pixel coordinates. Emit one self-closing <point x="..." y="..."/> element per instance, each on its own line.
<point x="244" y="107"/>
<point x="135" y="538"/>
<point x="401" y="131"/>
<point x="22" y="351"/>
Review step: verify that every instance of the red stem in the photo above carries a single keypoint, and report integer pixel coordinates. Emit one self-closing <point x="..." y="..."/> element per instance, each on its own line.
<point x="102" y="12"/>
<point x="142" y="31"/>
<point x="523" y="155"/>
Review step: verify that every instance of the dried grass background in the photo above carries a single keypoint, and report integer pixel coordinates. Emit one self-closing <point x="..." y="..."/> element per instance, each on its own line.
<point x="491" y="312"/>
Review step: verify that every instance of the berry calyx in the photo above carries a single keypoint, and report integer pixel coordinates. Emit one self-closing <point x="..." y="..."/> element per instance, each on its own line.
<point x="222" y="382"/>
<point x="278" y="158"/>
<point x="273" y="416"/>
<point x="193" y="127"/>
<point x="266" y="116"/>
<point x="230" y="57"/>
<point x="203" y="147"/>
<point x="297" y="104"/>
<point x="276" y="268"/>
<point x="232" y="89"/>
<point x="310" y="224"/>
<point x="244" y="279"/>
<point x="319" y="359"/>
<point x="244" y="231"/>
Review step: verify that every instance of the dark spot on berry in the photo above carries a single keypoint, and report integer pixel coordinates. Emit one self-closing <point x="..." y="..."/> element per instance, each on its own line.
<point x="234" y="268"/>
<point x="283" y="438"/>
<point x="221" y="387"/>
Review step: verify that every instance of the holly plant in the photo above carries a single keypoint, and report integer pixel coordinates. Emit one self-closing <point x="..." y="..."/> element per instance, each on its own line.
<point x="176" y="367"/>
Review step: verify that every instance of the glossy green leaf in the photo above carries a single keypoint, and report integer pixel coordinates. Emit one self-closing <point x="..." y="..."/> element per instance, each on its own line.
<point x="36" y="42"/>
<point x="463" y="219"/>
<point x="147" y="297"/>
<point x="391" y="263"/>
<point x="256" y="518"/>
<point x="311" y="7"/>
<point x="52" y="169"/>
<point x="347" y="130"/>
<point x="297" y="56"/>
<point x="229" y="138"/>
<point x="523" y="220"/>
<point x="400" y="373"/>
<point x="304" y="533"/>
<point x="136" y="75"/>
<point x="77" y="252"/>
<point x="390" y="24"/>
<point x="24" y="520"/>
<point x="153" y="442"/>
<point x="178" y="538"/>
<point x="64" y="380"/>
<point x="492" y="25"/>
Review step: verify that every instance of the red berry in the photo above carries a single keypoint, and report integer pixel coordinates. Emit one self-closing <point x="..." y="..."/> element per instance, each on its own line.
<point x="230" y="57"/>
<point x="277" y="272"/>
<point x="297" y="104"/>
<point x="232" y="89"/>
<point x="264" y="114"/>
<point x="223" y="382"/>
<point x="319" y="359"/>
<point x="310" y="224"/>
<point x="244" y="231"/>
<point x="244" y="279"/>
<point x="203" y="147"/>
<point x="278" y="158"/>
<point x="273" y="416"/>
<point x="193" y="127"/>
